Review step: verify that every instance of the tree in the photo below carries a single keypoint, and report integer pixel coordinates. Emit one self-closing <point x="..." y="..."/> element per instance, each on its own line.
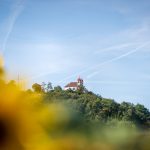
<point x="57" y="88"/>
<point x="43" y="86"/>
<point x="37" y="87"/>
<point x="142" y="113"/>
<point x="82" y="89"/>
<point x="49" y="86"/>
<point x="46" y="87"/>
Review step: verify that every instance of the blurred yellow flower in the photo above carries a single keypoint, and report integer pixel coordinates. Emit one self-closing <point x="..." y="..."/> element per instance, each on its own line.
<point x="19" y="126"/>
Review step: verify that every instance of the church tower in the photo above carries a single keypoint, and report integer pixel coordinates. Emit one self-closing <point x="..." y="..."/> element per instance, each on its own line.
<point x="80" y="81"/>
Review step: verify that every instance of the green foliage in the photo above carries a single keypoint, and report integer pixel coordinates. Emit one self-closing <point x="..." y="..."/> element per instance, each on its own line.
<point x="37" y="87"/>
<point x="58" y="88"/>
<point x="46" y="87"/>
<point x="94" y="108"/>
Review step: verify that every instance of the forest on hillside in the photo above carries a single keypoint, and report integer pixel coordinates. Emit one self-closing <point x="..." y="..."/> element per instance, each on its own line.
<point x="94" y="108"/>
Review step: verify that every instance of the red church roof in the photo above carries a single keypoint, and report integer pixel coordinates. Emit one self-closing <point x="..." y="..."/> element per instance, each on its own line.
<point x="72" y="84"/>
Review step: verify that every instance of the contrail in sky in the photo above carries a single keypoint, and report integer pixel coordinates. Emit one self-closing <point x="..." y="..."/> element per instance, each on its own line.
<point x="106" y="62"/>
<point x="117" y="47"/>
<point x="117" y="58"/>
<point x="16" y="10"/>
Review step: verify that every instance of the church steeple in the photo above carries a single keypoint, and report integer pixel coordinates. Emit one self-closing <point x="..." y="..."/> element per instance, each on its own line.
<point x="80" y="81"/>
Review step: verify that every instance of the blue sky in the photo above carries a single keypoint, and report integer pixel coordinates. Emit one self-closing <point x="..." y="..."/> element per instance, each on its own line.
<point x="106" y="42"/>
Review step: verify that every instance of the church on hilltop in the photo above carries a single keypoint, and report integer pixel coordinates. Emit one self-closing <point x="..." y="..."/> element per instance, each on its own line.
<point x="74" y="85"/>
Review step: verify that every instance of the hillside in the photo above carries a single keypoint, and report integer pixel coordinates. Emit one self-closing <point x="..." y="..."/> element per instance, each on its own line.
<point x="92" y="107"/>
